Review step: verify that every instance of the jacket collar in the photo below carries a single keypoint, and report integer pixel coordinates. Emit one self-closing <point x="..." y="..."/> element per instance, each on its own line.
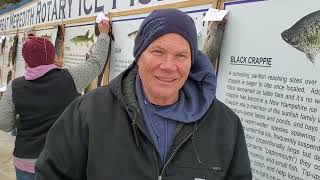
<point x="123" y="87"/>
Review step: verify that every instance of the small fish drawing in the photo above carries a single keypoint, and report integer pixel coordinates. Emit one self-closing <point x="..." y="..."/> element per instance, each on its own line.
<point x="47" y="36"/>
<point x="10" y="40"/>
<point x="304" y="35"/>
<point x="133" y="34"/>
<point x="213" y="41"/>
<point x="83" y="39"/>
<point x="59" y="46"/>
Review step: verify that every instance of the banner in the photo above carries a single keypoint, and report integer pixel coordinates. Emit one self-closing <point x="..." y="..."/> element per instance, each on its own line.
<point x="43" y="11"/>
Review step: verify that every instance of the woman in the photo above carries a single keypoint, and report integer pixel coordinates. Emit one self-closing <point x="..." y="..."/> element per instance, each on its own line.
<point x="42" y="94"/>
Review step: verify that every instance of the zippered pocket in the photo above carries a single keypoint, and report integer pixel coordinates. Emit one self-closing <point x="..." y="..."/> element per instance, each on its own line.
<point x="200" y="166"/>
<point x="191" y="171"/>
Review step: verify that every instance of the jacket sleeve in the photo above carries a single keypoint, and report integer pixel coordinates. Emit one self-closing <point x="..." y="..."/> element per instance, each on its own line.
<point x="239" y="168"/>
<point x="85" y="72"/>
<point x="65" y="152"/>
<point x="7" y="110"/>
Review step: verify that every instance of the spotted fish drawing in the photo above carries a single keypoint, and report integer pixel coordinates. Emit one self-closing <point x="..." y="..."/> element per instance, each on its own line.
<point x="304" y="35"/>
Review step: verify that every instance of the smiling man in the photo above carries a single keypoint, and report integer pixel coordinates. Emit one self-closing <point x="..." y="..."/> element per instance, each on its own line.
<point x="164" y="67"/>
<point x="159" y="119"/>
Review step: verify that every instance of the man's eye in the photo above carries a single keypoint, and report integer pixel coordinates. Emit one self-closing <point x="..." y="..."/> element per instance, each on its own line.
<point x="181" y="56"/>
<point x="158" y="52"/>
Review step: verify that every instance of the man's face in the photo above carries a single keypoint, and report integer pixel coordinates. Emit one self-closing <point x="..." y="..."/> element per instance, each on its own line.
<point x="164" y="67"/>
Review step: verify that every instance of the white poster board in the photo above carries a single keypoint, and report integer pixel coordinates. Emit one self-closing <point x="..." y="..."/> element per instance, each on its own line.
<point x="274" y="87"/>
<point x="20" y="63"/>
<point x="125" y="30"/>
<point x="78" y="40"/>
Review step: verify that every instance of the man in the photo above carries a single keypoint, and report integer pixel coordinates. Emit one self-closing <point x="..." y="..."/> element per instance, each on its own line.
<point x="159" y="119"/>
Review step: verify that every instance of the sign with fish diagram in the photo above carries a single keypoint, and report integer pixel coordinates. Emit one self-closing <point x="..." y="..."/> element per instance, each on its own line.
<point x="79" y="38"/>
<point x="125" y="29"/>
<point x="269" y="75"/>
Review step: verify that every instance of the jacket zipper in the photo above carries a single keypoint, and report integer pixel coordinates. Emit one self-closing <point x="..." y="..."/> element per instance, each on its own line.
<point x="172" y="155"/>
<point x="134" y="126"/>
<point x="135" y="133"/>
<point x="155" y="158"/>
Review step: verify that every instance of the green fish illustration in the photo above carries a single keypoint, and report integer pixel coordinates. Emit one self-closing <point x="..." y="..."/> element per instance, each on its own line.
<point x="304" y="35"/>
<point x="83" y="39"/>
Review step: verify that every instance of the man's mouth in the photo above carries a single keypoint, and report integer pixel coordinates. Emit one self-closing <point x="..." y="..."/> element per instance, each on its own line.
<point x="164" y="79"/>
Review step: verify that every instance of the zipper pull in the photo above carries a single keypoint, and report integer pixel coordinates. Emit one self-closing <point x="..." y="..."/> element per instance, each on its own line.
<point x="134" y="126"/>
<point x="216" y="168"/>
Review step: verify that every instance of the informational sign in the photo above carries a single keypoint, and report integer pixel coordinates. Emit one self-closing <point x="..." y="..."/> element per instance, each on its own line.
<point x="79" y="38"/>
<point x="126" y="28"/>
<point x="269" y="75"/>
<point x="43" y="11"/>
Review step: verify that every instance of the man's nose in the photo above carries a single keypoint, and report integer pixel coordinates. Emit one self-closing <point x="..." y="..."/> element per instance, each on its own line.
<point x="168" y="63"/>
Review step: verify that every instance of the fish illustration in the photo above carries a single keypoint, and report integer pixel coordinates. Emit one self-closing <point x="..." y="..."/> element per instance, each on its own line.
<point x="23" y="39"/>
<point x="83" y="39"/>
<point x="59" y="42"/>
<point x="304" y="35"/>
<point x="28" y="32"/>
<point x="2" y="46"/>
<point x="133" y="34"/>
<point x="10" y="40"/>
<point x="213" y="41"/>
<point x="47" y="36"/>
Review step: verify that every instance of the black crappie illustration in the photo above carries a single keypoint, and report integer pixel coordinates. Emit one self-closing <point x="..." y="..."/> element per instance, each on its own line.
<point x="304" y="35"/>
<point x="212" y="44"/>
<point x="83" y="39"/>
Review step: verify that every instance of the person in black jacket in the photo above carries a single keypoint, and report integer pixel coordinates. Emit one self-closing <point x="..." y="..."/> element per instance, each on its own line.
<point x="41" y="95"/>
<point x="159" y="119"/>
